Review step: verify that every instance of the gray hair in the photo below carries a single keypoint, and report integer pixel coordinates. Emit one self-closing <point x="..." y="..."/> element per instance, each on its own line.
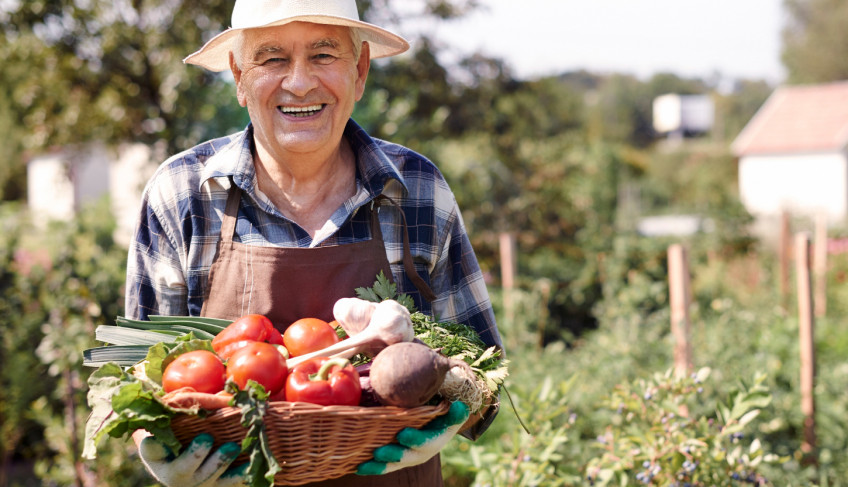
<point x="355" y="38"/>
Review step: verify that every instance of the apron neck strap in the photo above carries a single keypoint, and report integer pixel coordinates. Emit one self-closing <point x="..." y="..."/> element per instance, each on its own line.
<point x="408" y="266"/>
<point x="228" y="224"/>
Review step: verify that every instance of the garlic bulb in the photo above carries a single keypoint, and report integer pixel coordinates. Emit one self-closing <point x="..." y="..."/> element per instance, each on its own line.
<point x="353" y="314"/>
<point x="391" y="322"/>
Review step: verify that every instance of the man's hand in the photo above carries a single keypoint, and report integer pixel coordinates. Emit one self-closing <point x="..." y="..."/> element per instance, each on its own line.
<point x="416" y="446"/>
<point x="194" y="467"/>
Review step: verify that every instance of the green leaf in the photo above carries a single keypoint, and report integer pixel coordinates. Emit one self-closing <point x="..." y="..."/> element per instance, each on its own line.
<point x="122" y="403"/>
<point x="384" y="289"/>
<point x="156" y="354"/>
<point x="254" y="405"/>
<point x="102" y="384"/>
<point x="748" y="417"/>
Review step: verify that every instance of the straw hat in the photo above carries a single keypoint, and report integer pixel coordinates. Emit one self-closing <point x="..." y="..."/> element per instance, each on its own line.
<point x="247" y="14"/>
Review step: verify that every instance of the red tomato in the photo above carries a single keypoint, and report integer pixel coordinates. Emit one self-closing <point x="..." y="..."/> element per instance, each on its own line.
<point x="201" y="370"/>
<point x="261" y="362"/>
<point x="248" y="328"/>
<point x="309" y="335"/>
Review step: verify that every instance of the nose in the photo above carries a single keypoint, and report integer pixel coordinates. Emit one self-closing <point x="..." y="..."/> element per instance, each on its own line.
<point x="299" y="78"/>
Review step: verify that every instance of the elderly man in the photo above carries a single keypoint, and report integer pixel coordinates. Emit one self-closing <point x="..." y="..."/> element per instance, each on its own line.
<point x="300" y="208"/>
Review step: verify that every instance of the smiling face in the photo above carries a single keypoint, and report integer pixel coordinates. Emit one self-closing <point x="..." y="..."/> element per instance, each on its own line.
<point x="299" y="83"/>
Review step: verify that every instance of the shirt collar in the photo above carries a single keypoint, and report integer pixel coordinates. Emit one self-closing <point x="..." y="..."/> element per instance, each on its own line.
<point x="235" y="159"/>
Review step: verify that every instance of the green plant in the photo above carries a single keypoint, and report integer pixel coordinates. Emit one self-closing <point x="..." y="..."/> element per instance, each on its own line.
<point x="537" y="456"/>
<point x="55" y="287"/>
<point x="657" y="437"/>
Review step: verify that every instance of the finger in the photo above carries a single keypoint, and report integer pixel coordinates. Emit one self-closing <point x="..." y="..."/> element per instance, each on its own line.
<point x="218" y="462"/>
<point x="427" y="440"/>
<point x="234" y="476"/>
<point x="395" y="457"/>
<point x="389" y="453"/>
<point x="194" y="454"/>
<point x="457" y="414"/>
<point x="153" y="450"/>
<point x="371" y="467"/>
<point x="416" y="438"/>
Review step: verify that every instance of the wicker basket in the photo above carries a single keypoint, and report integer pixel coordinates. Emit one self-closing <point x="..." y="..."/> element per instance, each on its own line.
<point x="310" y="442"/>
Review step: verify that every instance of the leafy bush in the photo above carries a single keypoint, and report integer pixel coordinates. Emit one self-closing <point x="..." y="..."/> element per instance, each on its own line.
<point x="656" y="436"/>
<point x="56" y="286"/>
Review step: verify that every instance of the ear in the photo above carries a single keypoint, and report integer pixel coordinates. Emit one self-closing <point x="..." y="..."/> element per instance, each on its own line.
<point x="242" y="99"/>
<point x="362" y="68"/>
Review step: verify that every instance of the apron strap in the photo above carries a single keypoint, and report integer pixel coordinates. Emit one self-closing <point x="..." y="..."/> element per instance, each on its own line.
<point x="228" y="223"/>
<point x="422" y="286"/>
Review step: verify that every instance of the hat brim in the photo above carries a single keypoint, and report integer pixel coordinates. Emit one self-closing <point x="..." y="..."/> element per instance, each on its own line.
<point x="214" y="55"/>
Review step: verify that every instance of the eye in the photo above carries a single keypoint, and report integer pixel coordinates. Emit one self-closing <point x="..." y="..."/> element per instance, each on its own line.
<point x="324" y="58"/>
<point x="274" y="60"/>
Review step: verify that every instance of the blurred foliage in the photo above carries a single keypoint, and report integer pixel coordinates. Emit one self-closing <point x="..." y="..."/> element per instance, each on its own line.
<point x="578" y="400"/>
<point x="112" y="71"/>
<point x="56" y="286"/>
<point x="657" y="438"/>
<point x="815" y="41"/>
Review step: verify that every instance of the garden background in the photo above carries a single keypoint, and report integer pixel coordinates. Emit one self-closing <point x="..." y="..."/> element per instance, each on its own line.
<point x="555" y="162"/>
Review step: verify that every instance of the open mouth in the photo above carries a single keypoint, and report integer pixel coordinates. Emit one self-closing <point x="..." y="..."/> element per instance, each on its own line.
<point x="301" y="112"/>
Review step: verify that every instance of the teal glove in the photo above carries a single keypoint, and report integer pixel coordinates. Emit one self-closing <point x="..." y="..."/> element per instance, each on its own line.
<point x="194" y="467"/>
<point x="416" y="446"/>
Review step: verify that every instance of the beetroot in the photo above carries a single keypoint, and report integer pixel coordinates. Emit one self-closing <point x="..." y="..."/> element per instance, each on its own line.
<point x="408" y="374"/>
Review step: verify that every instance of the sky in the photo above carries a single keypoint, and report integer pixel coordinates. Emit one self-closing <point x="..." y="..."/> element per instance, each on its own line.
<point x="690" y="38"/>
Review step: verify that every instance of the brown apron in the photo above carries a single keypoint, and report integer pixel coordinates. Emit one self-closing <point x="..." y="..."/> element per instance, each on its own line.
<point x="286" y="284"/>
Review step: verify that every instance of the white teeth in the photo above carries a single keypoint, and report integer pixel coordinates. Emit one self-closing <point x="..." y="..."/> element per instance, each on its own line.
<point x="312" y="108"/>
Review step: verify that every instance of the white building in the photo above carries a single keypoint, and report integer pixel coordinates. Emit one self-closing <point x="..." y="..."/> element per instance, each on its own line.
<point x="61" y="182"/>
<point x="683" y="114"/>
<point x="793" y="154"/>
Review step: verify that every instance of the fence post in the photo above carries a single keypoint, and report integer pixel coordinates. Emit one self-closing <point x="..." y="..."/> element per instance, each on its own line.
<point x="807" y="345"/>
<point x="679" y="298"/>
<point x="820" y="266"/>
<point x="784" y="249"/>
<point x="508" y="265"/>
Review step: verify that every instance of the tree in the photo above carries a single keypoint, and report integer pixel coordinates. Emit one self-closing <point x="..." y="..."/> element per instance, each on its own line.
<point x="112" y="71"/>
<point x="815" y="41"/>
<point x="109" y="71"/>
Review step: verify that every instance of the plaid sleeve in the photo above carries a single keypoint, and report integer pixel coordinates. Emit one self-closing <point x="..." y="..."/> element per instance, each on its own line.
<point x="458" y="282"/>
<point x="155" y="280"/>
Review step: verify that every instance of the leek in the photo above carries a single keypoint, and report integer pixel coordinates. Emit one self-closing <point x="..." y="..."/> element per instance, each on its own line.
<point x="128" y="342"/>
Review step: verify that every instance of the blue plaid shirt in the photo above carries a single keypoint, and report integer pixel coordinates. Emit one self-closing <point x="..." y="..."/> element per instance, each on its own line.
<point x="183" y="203"/>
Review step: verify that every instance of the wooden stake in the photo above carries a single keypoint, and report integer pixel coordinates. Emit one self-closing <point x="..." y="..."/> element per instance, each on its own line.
<point x="820" y="266"/>
<point x="679" y="298"/>
<point x="807" y="344"/>
<point x="544" y="286"/>
<point x="784" y="252"/>
<point x="508" y="265"/>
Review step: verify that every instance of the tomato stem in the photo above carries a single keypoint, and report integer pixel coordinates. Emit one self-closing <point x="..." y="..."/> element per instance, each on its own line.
<point x="324" y="371"/>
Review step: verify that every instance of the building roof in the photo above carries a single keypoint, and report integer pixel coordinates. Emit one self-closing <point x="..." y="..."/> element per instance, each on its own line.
<point x="802" y="118"/>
